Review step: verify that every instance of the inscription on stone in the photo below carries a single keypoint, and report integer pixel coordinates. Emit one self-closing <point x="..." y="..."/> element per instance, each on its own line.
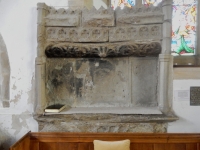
<point x="195" y="96"/>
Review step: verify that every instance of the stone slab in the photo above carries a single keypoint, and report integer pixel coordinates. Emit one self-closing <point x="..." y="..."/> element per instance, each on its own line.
<point x="135" y="32"/>
<point x="89" y="82"/>
<point x="93" y="34"/>
<point x="139" y="15"/>
<point x="63" y="17"/>
<point x="144" y="81"/>
<point x="104" y="123"/>
<point x="98" y="18"/>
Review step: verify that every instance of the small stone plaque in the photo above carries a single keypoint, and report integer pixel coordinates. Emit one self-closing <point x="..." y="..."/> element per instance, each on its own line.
<point x="195" y="96"/>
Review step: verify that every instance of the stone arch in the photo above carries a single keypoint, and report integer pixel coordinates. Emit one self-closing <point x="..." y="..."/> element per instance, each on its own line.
<point x="4" y="75"/>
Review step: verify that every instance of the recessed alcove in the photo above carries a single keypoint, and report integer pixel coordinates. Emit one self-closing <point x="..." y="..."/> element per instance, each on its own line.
<point x="104" y="65"/>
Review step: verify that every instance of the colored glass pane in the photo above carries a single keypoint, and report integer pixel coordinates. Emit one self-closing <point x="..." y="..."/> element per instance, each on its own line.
<point x="122" y="3"/>
<point x="151" y="2"/>
<point x="183" y="27"/>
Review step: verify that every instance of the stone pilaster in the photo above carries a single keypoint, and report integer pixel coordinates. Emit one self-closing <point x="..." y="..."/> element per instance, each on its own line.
<point x="165" y="82"/>
<point x="40" y="59"/>
<point x="166" y="61"/>
<point x="167" y="26"/>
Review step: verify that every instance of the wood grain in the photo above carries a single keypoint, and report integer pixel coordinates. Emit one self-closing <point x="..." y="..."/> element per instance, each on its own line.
<point x="84" y="141"/>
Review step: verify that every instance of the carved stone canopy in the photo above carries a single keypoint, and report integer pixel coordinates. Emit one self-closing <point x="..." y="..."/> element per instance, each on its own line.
<point x="103" y="50"/>
<point x="103" y="32"/>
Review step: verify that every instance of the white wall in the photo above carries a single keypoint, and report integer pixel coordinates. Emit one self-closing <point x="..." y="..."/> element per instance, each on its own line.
<point x="18" y="26"/>
<point x="189" y="120"/>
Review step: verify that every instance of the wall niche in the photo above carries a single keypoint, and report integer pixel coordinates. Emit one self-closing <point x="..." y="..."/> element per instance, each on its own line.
<point x="111" y="68"/>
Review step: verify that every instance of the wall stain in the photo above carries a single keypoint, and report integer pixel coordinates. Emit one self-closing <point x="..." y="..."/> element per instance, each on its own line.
<point x="5" y="139"/>
<point x="16" y="99"/>
<point x="19" y="121"/>
<point x="14" y="87"/>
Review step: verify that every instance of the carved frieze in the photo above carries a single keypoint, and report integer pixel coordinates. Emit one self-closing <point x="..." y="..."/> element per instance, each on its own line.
<point x="94" y="34"/>
<point x="135" y="32"/>
<point x="63" y="17"/>
<point x="119" y="49"/>
<point x="98" y="18"/>
<point x="137" y="15"/>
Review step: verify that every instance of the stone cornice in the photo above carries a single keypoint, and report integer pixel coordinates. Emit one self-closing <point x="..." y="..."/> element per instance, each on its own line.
<point x="102" y="50"/>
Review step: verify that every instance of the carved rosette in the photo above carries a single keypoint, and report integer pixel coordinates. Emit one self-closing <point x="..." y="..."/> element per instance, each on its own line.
<point x="121" y="49"/>
<point x="93" y="34"/>
<point x="62" y="17"/>
<point x="135" y="32"/>
<point x="139" y="15"/>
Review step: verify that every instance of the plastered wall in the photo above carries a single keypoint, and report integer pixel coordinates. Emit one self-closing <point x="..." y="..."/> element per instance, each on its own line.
<point x="18" y="20"/>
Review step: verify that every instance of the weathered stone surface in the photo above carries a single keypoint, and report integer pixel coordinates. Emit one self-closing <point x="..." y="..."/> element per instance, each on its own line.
<point x="63" y="17"/>
<point x="144" y="75"/>
<point x="88" y="82"/>
<point x="98" y="18"/>
<point x="103" y="49"/>
<point x="104" y="127"/>
<point x="93" y="34"/>
<point x="134" y="32"/>
<point x="104" y="123"/>
<point x="139" y="15"/>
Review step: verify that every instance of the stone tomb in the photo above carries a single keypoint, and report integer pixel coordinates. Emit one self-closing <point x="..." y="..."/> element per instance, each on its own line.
<point x="103" y="64"/>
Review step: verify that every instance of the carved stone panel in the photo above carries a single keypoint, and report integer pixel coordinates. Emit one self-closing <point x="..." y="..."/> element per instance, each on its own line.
<point x="144" y="81"/>
<point x="93" y="34"/>
<point x="137" y="15"/>
<point x="60" y="83"/>
<point x="134" y="32"/>
<point x="98" y="18"/>
<point x="194" y="96"/>
<point x="63" y="17"/>
<point x="88" y="82"/>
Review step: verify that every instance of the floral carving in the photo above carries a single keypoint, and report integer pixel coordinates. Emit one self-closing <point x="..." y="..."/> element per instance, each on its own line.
<point x="103" y="50"/>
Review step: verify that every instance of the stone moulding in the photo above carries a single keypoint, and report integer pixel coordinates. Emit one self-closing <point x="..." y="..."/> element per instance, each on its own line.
<point x="141" y="15"/>
<point x="62" y="17"/>
<point x="98" y="18"/>
<point x="77" y="34"/>
<point x="104" y="34"/>
<point x="119" y="49"/>
<point x="135" y="32"/>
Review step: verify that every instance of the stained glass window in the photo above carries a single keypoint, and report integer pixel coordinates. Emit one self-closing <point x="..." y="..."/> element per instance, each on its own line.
<point x="122" y="3"/>
<point x="183" y="23"/>
<point x="184" y="27"/>
<point x="151" y="2"/>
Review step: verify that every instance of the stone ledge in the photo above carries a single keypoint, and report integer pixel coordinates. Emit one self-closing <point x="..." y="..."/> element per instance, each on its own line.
<point x="110" y="110"/>
<point x="107" y="118"/>
<point x="104" y="123"/>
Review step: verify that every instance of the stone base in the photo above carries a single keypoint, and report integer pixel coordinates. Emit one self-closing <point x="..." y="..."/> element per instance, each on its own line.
<point x="104" y="123"/>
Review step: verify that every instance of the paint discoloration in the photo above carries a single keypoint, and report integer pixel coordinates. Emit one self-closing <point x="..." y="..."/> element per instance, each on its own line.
<point x="88" y="82"/>
<point x="14" y="87"/>
<point x="16" y="99"/>
<point x="18" y="122"/>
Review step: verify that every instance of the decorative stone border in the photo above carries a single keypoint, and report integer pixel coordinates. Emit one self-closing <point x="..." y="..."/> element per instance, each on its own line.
<point x="103" y="50"/>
